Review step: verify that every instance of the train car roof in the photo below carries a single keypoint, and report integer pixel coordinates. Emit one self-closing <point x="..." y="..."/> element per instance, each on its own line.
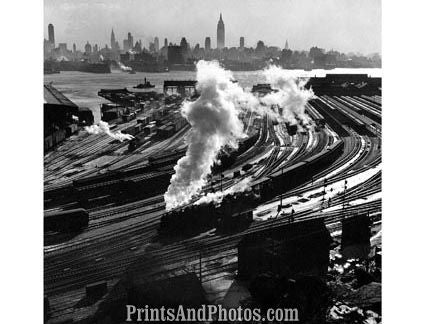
<point x="64" y="212"/>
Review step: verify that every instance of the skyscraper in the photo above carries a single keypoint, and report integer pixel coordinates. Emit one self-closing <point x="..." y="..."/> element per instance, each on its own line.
<point x="156" y="42"/>
<point x="207" y="43"/>
<point x="113" y="42"/>
<point x="51" y="31"/>
<point x="87" y="48"/>
<point x="151" y="47"/>
<point x="242" y="42"/>
<point x="184" y="45"/>
<point x="165" y="42"/>
<point x="125" y="45"/>
<point x="220" y="33"/>
<point x="286" y="45"/>
<point x="74" y="48"/>
<point x="138" y="46"/>
<point x="130" y="41"/>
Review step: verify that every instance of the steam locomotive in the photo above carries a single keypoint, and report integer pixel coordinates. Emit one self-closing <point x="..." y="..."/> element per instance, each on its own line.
<point x="235" y="211"/>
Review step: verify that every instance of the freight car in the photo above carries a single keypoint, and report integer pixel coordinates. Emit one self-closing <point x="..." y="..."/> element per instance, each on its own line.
<point x="166" y="158"/>
<point x="66" y="221"/>
<point x="332" y="118"/>
<point x="125" y="190"/>
<point x="315" y="116"/>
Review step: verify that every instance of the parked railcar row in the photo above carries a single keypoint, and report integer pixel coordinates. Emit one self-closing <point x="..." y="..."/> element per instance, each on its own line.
<point x="148" y="184"/>
<point x="360" y="108"/>
<point x="318" y="119"/>
<point x="66" y="221"/>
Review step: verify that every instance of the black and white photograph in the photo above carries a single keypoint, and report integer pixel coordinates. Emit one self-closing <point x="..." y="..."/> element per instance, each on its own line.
<point x="211" y="161"/>
<point x="214" y="163"/>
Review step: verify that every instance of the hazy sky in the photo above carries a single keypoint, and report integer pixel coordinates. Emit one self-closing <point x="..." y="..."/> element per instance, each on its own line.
<point x="345" y="25"/>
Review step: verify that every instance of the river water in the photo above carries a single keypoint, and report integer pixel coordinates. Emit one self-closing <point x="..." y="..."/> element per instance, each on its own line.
<point x="82" y="87"/>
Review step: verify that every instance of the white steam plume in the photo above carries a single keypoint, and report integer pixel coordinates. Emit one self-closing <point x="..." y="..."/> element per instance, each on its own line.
<point x="103" y="127"/>
<point x="218" y="196"/>
<point x="215" y="123"/>
<point x="124" y="68"/>
<point x="291" y="96"/>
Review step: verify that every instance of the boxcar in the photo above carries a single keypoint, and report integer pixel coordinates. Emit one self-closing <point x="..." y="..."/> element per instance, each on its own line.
<point x="71" y="220"/>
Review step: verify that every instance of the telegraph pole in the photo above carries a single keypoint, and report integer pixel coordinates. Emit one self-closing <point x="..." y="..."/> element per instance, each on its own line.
<point x="343" y="199"/>
<point x="325" y="181"/>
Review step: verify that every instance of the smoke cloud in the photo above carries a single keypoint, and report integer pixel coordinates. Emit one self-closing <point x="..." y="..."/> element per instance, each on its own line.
<point x="103" y="127"/>
<point x="123" y="67"/>
<point x="215" y="123"/>
<point x="217" y="197"/>
<point x="291" y="96"/>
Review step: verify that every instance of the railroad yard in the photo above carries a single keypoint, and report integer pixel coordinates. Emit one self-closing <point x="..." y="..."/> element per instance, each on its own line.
<point x="330" y="172"/>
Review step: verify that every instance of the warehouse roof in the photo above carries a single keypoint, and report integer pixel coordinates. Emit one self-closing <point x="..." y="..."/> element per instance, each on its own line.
<point x="53" y="96"/>
<point x="180" y="83"/>
<point x="312" y="229"/>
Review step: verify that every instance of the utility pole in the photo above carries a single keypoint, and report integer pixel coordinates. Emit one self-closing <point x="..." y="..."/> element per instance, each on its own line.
<point x="279" y="208"/>
<point x="343" y="199"/>
<point x="291" y="218"/>
<point x="324" y="193"/>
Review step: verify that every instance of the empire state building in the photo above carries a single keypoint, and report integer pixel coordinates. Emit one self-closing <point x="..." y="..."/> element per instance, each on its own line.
<point x="220" y="33"/>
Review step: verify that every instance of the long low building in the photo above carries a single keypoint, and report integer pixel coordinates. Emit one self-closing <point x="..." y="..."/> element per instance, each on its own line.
<point x="61" y="117"/>
<point x="345" y="84"/>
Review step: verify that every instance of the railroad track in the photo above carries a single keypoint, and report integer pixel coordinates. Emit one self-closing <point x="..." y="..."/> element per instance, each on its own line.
<point x="115" y="251"/>
<point x="184" y="250"/>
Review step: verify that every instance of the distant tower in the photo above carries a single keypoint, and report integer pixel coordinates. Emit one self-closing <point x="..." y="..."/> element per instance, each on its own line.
<point x="138" y="47"/>
<point x="130" y="41"/>
<point x="184" y="45"/>
<point x="51" y="31"/>
<point x="286" y="45"/>
<point x="165" y="42"/>
<point x="87" y="48"/>
<point x="74" y="48"/>
<point x="220" y="33"/>
<point x="207" y="43"/>
<point x="242" y="42"/>
<point x="156" y="43"/>
<point x="113" y="41"/>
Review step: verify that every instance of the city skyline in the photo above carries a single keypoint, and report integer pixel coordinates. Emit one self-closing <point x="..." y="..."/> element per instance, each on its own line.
<point x="74" y="24"/>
